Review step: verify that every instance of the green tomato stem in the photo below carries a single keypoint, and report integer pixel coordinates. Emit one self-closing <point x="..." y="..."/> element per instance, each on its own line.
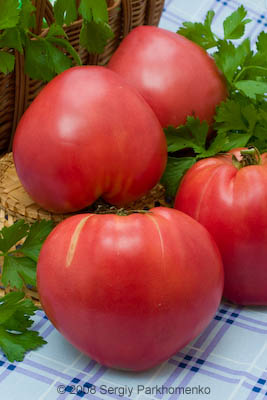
<point x="250" y="156"/>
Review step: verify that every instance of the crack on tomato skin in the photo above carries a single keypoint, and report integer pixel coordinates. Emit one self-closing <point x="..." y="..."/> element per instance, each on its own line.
<point x="160" y="238"/>
<point x="74" y="240"/>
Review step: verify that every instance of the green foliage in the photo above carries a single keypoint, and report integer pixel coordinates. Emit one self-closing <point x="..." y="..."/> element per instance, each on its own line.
<point x="45" y="57"/>
<point x="241" y="120"/>
<point x="17" y="270"/>
<point x="15" y="336"/>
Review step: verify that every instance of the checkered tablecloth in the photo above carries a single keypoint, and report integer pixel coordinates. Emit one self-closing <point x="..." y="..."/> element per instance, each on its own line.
<point x="228" y="361"/>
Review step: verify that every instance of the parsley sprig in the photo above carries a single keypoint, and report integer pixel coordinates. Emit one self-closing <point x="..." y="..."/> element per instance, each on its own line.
<point x="239" y="121"/>
<point x="15" y="336"/>
<point x="19" y="267"/>
<point x="48" y="56"/>
<point x="19" y="270"/>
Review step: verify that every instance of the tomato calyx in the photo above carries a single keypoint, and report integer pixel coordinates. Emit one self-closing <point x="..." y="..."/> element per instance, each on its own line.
<point x="122" y="212"/>
<point x="249" y="156"/>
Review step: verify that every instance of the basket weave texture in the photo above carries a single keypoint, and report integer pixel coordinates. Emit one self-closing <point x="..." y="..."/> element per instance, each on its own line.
<point x="17" y="90"/>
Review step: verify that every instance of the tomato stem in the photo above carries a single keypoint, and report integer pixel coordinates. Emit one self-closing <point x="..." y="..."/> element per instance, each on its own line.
<point x="122" y="211"/>
<point x="250" y="156"/>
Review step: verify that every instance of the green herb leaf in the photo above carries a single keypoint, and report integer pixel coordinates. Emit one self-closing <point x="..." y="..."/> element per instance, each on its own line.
<point x="11" y="38"/>
<point x="7" y="62"/>
<point x="191" y="135"/>
<point x="175" y="170"/>
<point x="252" y="88"/>
<point x="27" y="20"/>
<point x="35" y="238"/>
<point x="242" y="119"/>
<point x="38" y="61"/>
<point x="66" y="45"/>
<point x="95" y="30"/>
<point x="229" y="117"/>
<point x="200" y="33"/>
<point x="65" y="11"/>
<point x="229" y="58"/>
<point x="234" y="25"/>
<point x="236" y="140"/>
<point x="262" y="42"/>
<point x="59" y="61"/>
<point x="15" y="337"/>
<point x="94" y="10"/>
<point x="18" y="271"/>
<point x="9" y="15"/>
<point x="94" y="36"/>
<point x="13" y="234"/>
<point x="216" y="146"/>
<point x="56" y="30"/>
<point x="43" y="60"/>
<point x="8" y="305"/>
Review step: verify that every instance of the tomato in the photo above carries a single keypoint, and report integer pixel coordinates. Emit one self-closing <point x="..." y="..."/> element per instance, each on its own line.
<point x="88" y="134"/>
<point x="232" y="204"/>
<point x="130" y="291"/>
<point x="176" y="77"/>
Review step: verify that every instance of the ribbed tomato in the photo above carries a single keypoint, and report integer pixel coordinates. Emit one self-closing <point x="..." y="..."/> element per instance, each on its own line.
<point x="130" y="291"/>
<point x="88" y="134"/>
<point x="232" y="204"/>
<point x="174" y="75"/>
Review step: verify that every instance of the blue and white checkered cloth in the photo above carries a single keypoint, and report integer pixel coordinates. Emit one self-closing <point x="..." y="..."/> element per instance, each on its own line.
<point x="228" y="361"/>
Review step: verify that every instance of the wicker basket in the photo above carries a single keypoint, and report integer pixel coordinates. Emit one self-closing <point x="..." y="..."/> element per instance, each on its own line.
<point x="17" y="90"/>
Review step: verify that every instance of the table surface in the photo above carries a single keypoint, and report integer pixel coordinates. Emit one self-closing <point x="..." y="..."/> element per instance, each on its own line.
<point x="228" y="361"/>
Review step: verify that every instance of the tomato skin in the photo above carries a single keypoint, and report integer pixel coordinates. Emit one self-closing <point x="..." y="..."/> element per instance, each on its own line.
<point x="232" y="205"/>
<point x="175" y="76"/>
<point x="88" y="134"/>
<point x="137" y="289"/>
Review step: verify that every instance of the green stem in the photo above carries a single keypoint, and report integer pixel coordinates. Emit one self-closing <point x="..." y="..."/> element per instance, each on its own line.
<point x="246" y="68"/>
<point x="33" y="35"/>
<point x="250" y="156"/>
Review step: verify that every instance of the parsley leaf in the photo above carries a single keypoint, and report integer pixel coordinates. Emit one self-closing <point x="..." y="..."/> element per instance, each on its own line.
<point x="92" y="10"/>
<point x="229" y="58"/>
<point x="200" y="33"/>
<point x="65" y="11"/>
<point x="191" y="135"/>
<point x="44" y="60"/>
<point x="13" y="234"/>
<point x="17" y="270"/>
<point x="65" y="45"/>
<point x="26" y="19"/>
<point x="244" y="122"/>
<point x="94" y="36"/>
<point x="55" y="30"/>
<point x="9" y="15"/>
<point x="11" y="38"/>
<point x="37" y="234"/>
<point x="241" y="120"/>
<point x="175" y="170"/>
<point x="195" y="135"/>
<point x="234" y="25"/>
<point x="7" y="62"/>
<point x="38" y="61"/>
<point x="252" y="88"/>
<point x="15" y="337"/>
<point x="95" y="30"/>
